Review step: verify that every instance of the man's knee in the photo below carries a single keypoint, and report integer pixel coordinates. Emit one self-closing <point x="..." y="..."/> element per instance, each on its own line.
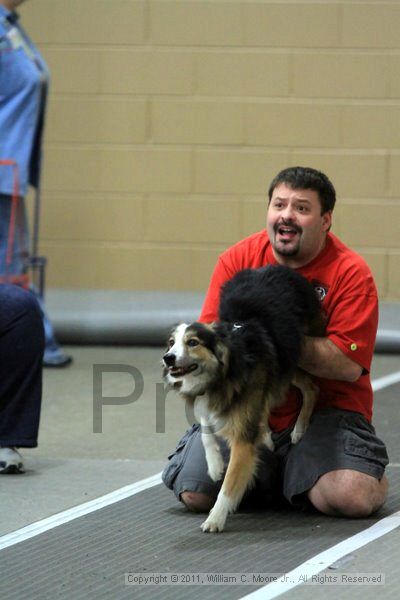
<point x="197" y="501"/>
<point x="348" y="493"/>
<point x="21" y="316"/>
<point x="31" y="320"/>
<point x="18" y="302"/>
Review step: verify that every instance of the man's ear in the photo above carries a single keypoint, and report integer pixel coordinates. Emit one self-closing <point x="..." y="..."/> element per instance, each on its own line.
<point x="327" y="220"/>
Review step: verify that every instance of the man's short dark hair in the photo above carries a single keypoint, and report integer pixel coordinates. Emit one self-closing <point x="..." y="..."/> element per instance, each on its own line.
<point x="305" y="178"/>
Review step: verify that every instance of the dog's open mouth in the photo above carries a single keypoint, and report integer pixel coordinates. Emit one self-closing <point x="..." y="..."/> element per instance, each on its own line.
<point x="182" y="371"/>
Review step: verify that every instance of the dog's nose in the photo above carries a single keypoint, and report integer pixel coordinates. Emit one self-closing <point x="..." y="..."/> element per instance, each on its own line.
<point x="169" y="359"/>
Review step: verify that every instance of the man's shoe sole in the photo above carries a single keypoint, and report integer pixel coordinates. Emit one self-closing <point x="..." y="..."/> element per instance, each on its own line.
<point x="12" y="470"/>
<point x="65" y="362"/>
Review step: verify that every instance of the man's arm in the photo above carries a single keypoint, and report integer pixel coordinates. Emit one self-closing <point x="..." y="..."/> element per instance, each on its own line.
<point x="322" y="358"/>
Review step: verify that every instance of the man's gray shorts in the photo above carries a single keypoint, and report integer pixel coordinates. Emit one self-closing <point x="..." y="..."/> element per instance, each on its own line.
<point x="335" y="439"/>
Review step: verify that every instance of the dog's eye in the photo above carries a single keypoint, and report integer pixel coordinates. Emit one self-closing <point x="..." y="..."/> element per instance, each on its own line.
<point x="171" y="342"/>
<point x="192" y="343"/>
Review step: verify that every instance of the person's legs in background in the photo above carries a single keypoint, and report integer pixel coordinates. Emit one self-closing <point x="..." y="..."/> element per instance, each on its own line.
<point x="21" y="354"/>
<point x="53" y="354"/>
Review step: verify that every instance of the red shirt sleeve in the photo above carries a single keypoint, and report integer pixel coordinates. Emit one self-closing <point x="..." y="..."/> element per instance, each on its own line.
<point x="353" y="325"/>
<point x="353" y="314"/>
<point x="222" y="273"/>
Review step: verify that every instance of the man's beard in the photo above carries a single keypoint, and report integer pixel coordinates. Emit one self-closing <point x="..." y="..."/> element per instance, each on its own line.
<point x="286" y="250"/>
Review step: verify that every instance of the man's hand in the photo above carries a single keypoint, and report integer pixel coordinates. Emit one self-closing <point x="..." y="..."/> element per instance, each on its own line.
<point x="322" y="358"/>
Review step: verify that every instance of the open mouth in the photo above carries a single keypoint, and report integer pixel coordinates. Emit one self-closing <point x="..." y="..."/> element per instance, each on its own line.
<point x="182" y="371"/>
<point x="286" y="232"/>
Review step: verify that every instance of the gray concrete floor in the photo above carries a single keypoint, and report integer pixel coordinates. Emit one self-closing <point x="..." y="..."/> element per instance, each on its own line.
<point x="74" y="464"/>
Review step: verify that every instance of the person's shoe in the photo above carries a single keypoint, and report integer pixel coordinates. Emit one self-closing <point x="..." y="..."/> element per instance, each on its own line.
<point x="10" y="462"/>
<point x="56" y="361"/>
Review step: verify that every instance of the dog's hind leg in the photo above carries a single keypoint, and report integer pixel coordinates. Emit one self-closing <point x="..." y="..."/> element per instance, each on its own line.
<point x="267" y="439"/>
<point x="239" y="475"/>
<point x="274" y="398"/>
<point x="309" y="391"/>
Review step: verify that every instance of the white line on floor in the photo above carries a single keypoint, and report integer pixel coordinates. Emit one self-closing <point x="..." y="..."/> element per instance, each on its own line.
<point x="390" y="333"/>
<point x="386" y="381"/>
<point x="21" y="535"/>
<point x="323" y="560"/>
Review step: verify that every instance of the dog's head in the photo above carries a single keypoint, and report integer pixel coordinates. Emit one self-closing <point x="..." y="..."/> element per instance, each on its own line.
<point x="195" y="357"/>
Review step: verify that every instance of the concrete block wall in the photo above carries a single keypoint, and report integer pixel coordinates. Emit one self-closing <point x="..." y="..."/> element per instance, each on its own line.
<point x="169" y="118"/>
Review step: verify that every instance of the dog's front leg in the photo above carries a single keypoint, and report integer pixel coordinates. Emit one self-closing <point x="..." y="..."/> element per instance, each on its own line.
<point x="215" y="462"/>
<point x="241" y="469"/>
<point x="309" y="391"/>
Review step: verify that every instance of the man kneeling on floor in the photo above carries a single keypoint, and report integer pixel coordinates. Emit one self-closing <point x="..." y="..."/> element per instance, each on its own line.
<point x="338" y="466"/>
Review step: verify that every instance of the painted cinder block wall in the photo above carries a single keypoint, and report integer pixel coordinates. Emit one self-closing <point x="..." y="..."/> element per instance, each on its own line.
<point x="168" y="119"/>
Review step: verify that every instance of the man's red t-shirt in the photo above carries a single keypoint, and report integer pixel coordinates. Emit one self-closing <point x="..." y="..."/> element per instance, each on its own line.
<point x="349" y="298"/>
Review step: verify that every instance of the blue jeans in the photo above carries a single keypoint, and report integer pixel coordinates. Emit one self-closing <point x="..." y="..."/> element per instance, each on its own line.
<point x="21" y="355"/>
<point x="18" y="264"/>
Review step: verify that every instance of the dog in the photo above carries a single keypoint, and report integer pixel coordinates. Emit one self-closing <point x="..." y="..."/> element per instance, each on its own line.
<point x="235" y="371"/>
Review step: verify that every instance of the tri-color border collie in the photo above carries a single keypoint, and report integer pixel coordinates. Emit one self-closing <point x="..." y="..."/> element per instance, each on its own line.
<point x="234" y="371"/>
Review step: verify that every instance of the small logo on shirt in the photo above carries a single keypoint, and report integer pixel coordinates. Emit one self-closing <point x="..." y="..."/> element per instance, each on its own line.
<point x="321" y="289"/>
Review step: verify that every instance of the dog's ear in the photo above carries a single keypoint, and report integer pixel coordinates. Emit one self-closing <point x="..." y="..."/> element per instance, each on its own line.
<point x="222" y="353"/>
<point x="221" y="350"/>
<point x="217" y="329"/>
<point x="169" y="335"/>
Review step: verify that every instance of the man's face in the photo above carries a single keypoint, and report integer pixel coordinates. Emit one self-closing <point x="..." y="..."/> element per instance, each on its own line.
<point x="295" y="226"/>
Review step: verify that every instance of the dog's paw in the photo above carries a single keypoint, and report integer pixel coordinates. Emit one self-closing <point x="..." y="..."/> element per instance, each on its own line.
<point x="217" y="518"/>
<point x="296" y="436"/>
<point x="215" y="466"/>
<point x="268" y="441"/>
<point x="213" y="525"/>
